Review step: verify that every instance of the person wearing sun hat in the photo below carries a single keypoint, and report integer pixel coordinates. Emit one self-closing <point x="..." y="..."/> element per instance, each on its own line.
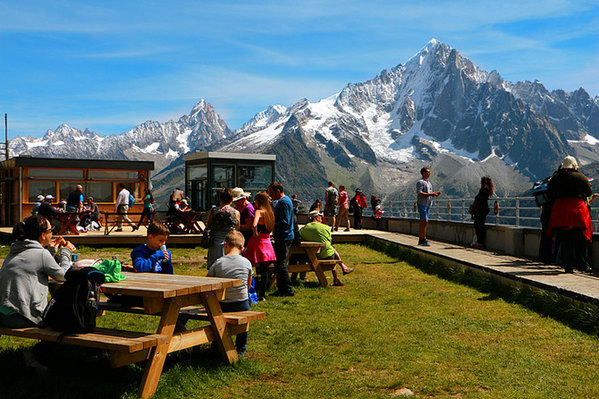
<point x="246" y="212"/>
<point x="570" y="220"/>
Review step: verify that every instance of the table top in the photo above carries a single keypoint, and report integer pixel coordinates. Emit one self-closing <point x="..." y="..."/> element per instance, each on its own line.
<point x="166" y="285"/>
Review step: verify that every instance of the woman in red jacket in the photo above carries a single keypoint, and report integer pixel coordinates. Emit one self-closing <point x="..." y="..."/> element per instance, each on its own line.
<point x="570" y="220"/>
<point x="358" y="203"/>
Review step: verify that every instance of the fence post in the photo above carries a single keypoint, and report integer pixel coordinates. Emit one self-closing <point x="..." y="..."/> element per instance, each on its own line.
<point x="517" y="212"/>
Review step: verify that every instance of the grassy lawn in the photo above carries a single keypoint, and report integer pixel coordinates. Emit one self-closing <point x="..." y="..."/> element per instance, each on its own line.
<point x="390" y="327"/>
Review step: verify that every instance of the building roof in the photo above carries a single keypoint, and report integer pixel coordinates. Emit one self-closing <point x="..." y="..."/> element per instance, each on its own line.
<point x="192" y="156"/>
<point x="24" y="161"/>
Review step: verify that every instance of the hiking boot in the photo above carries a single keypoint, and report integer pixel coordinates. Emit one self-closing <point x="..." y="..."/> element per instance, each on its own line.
<point x="348" y="271"/>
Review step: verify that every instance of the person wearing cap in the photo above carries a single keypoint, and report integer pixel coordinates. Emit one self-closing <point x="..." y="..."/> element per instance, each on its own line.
<point x="316" y="231"/>
<point x="49" y="212"/>
<point x="246" y="212"/>
<point x="92" y="216"/>
<point x="36" y="207"/>
<point x="570" y="220"/>
<point x="358" y="203"/>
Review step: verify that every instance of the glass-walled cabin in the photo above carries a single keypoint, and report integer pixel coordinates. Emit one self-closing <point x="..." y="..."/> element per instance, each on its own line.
<point x="207" y="172"/>
<point x="22" y="179"/>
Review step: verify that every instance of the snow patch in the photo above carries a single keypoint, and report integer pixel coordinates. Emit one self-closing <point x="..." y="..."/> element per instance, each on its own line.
<point x="588" y="139"/>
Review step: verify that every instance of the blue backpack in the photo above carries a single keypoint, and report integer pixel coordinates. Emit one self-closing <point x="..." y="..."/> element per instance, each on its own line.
<point x="131" y="200"/>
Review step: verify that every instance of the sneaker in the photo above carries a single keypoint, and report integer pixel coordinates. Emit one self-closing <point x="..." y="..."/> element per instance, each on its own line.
<point x="241" y="355"/>
<point x="348" y="271"/>
<point x="119" y="230"/>
<point x="424" y="243"/>
<point x="347" y="229"/>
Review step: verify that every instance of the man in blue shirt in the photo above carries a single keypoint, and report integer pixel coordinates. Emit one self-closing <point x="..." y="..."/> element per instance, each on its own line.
<point x="283" y="237"/>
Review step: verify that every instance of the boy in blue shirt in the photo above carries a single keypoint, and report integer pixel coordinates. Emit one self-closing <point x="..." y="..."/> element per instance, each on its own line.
<point x="153" y="257"/>
<point x="233" y="265"/>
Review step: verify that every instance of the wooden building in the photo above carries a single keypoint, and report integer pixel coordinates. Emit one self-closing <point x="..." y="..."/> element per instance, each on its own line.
<point x="207" y="172"/>
<point x="23" y="178"/>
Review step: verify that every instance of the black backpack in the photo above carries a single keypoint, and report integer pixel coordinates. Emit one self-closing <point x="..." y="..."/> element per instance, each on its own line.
<point x="74" y="306"/>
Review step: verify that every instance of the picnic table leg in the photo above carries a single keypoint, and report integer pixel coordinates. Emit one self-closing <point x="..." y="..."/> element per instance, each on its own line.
<point x="217" y="320"/>
<point x="155" y="363"/>
<point x="322" y="279"/>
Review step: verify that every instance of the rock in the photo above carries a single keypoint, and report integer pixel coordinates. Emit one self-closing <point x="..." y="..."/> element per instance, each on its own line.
<point x="403" y="392"/>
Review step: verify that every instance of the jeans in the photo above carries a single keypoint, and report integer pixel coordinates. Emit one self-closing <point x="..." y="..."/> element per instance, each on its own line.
<point x="282" y="249"/>
<point x="242" y="339"/>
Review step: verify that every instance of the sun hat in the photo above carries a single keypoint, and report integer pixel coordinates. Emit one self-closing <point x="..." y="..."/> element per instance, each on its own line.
<point x="239" y="193"/>
<point x="40" y="198"/>
<point x="314" y="214"/>
<point x="50" y="197"/>
<point x="569" y="163"/>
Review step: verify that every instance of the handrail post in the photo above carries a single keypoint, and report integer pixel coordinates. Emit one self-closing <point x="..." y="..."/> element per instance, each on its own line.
<point x="517" y="212"/>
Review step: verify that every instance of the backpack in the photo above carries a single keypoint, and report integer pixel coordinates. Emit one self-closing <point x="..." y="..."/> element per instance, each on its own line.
<point x="74" y="306"/>
<point x="539" y="190"/>
<point x="131" y="200"/>
<point x="332" y="197"/>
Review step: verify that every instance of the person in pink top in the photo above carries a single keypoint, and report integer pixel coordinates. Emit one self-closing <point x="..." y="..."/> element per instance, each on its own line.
<point x="343" y="208"/>
<point x="260" y="251"/>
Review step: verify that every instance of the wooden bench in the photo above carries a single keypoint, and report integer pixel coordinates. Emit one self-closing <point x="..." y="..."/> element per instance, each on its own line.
<point x="112" y="218"/>
<point x="101" y="338"/>
<point x="309" y="262"/>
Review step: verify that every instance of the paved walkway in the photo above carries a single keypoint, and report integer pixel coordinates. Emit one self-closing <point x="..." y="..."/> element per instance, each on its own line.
<point x="581" y="286"/>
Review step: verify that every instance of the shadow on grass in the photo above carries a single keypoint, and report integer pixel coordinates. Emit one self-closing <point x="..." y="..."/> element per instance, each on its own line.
<point x="576" y="315"/>
<point x="77" y="372"/>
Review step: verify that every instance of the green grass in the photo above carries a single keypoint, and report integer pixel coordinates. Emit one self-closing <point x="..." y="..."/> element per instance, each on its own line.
<point x="391" y="326"/>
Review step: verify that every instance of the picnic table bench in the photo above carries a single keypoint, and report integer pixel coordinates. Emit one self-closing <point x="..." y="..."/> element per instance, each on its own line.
<point x="112" y="219"/>
<point x="69" y="221"/>
<point x="191" y="222"/>
<point x="307" y="261"/>
<point x="166" y="296"/>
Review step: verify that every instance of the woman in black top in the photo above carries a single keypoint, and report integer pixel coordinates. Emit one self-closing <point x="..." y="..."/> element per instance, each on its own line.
<point x="481" y="210"/>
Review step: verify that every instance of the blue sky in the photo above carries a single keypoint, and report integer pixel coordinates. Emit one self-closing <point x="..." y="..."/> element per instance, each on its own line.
<point x="111" y="65"/>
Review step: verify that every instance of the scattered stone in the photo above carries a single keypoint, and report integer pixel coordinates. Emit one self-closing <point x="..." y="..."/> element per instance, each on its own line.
<point x="403" y="392"/>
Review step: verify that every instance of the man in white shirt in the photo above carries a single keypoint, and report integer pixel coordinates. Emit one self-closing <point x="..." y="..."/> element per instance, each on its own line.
<point x="122" y="207"/>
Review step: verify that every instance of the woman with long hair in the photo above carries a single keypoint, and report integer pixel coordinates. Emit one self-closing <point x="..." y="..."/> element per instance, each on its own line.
<point x="148" y="208"/>
<point x="259" y="248"/>
<point x="481" y="210"/>
<point x="221" y="220"/>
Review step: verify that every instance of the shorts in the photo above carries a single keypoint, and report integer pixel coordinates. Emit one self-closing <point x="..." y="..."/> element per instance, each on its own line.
<point x="423" y="211"/>
<point x="329" y="210"/>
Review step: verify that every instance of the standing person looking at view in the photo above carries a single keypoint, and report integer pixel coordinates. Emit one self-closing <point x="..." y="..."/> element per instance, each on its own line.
<point x="424" y="188"/>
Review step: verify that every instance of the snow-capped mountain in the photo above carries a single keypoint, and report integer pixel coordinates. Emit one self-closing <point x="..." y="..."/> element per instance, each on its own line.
<point x="438" y="109"/>
<point x="156" y="141"/>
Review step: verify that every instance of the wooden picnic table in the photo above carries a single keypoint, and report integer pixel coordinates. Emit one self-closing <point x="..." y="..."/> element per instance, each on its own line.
<point x="112" y="219"/>
<point x="165" y="295"/>
<point x="309" y="262"/>
<point x="191" y="220"/>
<point x="69" y="221"/>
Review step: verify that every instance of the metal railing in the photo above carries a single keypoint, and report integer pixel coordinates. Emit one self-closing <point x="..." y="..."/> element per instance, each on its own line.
<point x="510" y="211"/>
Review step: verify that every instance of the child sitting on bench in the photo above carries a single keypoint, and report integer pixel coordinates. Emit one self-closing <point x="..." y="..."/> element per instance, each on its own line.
<point x="233" y="265"/>
<point x="153" y="257"/>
